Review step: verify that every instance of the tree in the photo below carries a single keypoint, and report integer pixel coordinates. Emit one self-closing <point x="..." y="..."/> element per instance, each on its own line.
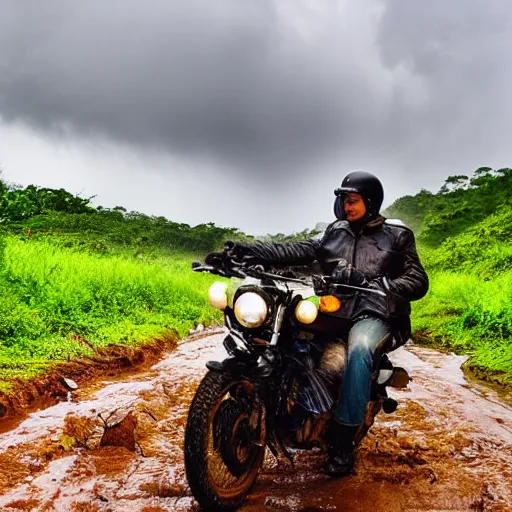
<point x="505" y="172"/>
<point x="481" y="177"/>
<point x="482" y="170"/>
<point x="3" y="185"/>
<point x="458" y="181"/>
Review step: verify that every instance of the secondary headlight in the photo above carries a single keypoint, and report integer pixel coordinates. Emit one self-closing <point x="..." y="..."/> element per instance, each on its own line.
<point x="306" y="311"/>
<point x="218" y="295"/>
<point x="251" y="309"/>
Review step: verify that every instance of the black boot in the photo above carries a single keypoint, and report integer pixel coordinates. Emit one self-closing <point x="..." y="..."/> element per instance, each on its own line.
<point x="340" y="444"/>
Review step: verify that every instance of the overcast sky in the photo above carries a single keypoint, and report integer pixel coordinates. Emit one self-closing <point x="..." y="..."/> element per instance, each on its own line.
<point x="249" y="114"/>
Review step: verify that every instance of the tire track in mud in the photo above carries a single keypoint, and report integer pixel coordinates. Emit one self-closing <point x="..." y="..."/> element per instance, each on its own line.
<point x="118" y="446"/>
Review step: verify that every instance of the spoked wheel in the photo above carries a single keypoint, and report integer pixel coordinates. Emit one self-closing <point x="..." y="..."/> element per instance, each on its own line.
<point x="223" y="448"/>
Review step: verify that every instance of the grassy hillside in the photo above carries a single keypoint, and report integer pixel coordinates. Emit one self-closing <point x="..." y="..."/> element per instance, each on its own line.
<point x="464" y="235"/>
<point x="52" y="299"/>
<point x="73" y="278"/>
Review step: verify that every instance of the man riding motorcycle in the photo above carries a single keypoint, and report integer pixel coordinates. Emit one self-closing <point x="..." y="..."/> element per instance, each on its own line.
<point x="361" y="248"/>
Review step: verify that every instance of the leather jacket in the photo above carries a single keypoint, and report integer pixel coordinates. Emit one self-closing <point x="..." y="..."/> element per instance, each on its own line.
<point x="383" y="250"/>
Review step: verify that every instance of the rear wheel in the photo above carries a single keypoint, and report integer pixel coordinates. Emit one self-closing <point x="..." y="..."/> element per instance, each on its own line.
<point x="223" y="453"/>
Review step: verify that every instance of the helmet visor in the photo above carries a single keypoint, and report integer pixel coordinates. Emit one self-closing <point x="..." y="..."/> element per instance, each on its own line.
<point x="341" y="191"/>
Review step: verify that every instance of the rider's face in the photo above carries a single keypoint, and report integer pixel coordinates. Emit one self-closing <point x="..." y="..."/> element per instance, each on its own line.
<point x="354" y="207"/>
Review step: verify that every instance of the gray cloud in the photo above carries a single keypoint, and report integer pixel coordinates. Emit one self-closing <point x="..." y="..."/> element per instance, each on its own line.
<point x="265" y="82"/>
<point x="412" y="90"/>
<point x="459" y="53"/>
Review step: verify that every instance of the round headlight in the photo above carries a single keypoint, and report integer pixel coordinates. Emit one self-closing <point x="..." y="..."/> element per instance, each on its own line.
<point x="217" y="295"/>
<point x="306" y="311"/>
<point x="251" y="309"/>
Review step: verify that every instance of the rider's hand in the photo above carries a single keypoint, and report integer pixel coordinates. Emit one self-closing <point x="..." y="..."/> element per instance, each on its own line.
<point x="344" y="273"/>
<point x="215" y="259"/>
<point x="239" y="252"/>
<point x="320" y="286"/>
<point x="233" y="252"/>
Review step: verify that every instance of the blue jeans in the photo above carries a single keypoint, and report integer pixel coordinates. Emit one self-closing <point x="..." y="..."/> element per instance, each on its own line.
<point x="366" y="339"/>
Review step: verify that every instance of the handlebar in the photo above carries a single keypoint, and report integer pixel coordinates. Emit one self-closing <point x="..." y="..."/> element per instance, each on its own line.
<point x="236" y="271"/>
<point x="258" y="271"/>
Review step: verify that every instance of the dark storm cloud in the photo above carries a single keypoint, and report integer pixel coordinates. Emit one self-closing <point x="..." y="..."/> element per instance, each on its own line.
<point x="276" y="82"/>
<point x="241" y="81"/>
<point x="459" y="52"/>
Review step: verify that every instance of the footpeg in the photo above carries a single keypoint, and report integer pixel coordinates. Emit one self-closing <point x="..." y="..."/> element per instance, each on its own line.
<point x="389" y="405"/>
<point x="215" y="366"/>
<point x="231" y="364"/>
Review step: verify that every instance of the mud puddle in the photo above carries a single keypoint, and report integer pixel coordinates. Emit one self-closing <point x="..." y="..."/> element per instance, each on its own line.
<point x="51" y="387"/>
<point x="118" y="447"/>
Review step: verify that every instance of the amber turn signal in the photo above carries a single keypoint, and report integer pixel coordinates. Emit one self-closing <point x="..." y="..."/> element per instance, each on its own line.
<point x="329" y="304"/>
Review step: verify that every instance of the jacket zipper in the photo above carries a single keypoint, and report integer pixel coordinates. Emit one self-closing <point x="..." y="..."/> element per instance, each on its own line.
<point x="354" y="252"/>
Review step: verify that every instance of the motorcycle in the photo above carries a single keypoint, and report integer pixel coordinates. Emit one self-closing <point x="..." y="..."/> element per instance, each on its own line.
<point x="278" y="385"/>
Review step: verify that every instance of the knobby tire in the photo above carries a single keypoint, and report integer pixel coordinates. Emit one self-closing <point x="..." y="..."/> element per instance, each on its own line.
<point x="200" y="452"/>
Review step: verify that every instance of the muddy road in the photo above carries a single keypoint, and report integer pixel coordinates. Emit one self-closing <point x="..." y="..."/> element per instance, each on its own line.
<point x="117" y="446"/>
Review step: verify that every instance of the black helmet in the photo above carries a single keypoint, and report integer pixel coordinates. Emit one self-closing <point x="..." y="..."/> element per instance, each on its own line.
<point x="365" y="184"/>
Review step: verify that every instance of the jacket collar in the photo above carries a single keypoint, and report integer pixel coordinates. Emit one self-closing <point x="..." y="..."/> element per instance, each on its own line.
<point x="374" y="224"/>
<point x="370" y="227"/>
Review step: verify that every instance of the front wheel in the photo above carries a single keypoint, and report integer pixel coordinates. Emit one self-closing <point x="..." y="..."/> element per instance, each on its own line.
<point x="223" y="446"/>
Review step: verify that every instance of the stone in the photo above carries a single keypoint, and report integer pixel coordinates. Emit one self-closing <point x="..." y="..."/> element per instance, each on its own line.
<point x="69" y="383"/>
<point x="121" y="434"/>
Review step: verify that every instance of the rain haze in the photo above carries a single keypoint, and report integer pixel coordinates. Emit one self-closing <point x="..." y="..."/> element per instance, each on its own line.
<point x="249" y="114"/>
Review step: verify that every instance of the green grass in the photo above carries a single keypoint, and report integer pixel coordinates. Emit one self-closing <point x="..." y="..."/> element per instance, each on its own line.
<point x="464" y="235"/>
<point x="468" y="314"/>
<point x="108" y="276"/>
<point x="50" y="296"/>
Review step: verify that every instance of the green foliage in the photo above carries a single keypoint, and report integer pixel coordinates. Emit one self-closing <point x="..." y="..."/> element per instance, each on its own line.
<point x="411" y="209"/>
<point x="464" y="313"/>
<point x="70" y="272"/>
<point x="465" y="244"/>
<point x="18" y="204"/>
<point x="435" y="217"/>
<point x="109" y="230"/>
<point x="484" y="249"/>
<point x="457" y="181"/>
<point x="60" y="214"/>
<point x="301" y="235"/>
<point x="52" y="297"/>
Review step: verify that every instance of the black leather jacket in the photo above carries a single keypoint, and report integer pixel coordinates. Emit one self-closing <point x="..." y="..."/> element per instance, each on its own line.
<point x="384" y="250"/>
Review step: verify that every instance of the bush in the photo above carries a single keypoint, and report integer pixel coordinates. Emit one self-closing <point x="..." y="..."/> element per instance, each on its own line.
<point x="52" y="297"/>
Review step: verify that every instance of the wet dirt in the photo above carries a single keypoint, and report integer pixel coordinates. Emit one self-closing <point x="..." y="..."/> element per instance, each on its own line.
<point x="47" y="389"/>
<point x="118" y="446"/>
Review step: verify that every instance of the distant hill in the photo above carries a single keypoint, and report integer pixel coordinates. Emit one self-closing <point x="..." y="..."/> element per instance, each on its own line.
<point x="71" y="221"/>
<point x="464" y="235"/>
<point x="461" y="203"/>
<point x="52" y="241"/>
